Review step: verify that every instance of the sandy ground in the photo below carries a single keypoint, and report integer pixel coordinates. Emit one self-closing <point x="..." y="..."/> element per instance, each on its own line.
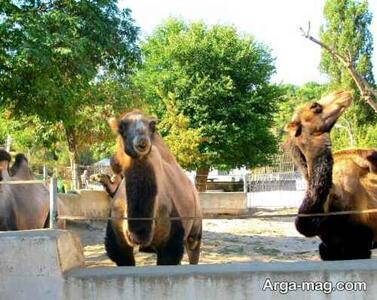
<point x="224" y="241"/>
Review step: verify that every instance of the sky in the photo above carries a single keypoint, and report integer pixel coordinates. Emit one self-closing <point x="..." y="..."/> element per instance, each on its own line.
<point x="274" y="22"/>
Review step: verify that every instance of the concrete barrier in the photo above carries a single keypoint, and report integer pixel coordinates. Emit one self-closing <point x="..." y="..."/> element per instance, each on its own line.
<point x="44" y="264"/>
<point x="89" y="203"/>
<point x="86" y="203"/>
<point x="32" y="263"/>
<point x="223" y="203"/>
<point x="230" y="281"/>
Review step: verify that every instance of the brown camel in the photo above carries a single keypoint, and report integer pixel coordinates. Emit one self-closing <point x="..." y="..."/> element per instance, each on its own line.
<point x="341" y="181"/>
<point x="24" y="206"/>
<point x="154" y="186"/>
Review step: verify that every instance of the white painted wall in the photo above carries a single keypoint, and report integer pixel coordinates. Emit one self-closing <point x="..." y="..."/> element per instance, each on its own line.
<point x="275" y="199"/>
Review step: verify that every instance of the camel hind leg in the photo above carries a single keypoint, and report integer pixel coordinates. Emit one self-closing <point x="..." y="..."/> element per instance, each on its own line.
<point x="171" y="253"/>
<point x="117" y="249"/>
<point x="193" y="244"/>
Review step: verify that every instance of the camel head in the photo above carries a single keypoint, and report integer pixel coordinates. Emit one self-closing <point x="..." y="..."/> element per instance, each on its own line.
<point x="311" y="124"/>
<point x="103" y="179"/>
<point x="5" y="160"/>
<point x="135" y="132"/>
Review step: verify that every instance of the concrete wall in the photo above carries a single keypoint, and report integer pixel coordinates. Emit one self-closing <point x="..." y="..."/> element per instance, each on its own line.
<point x="89" y="203"/>
<point x="32" y="263"/>
<point x="43" y="264"/>
<point x="86" y="203"/>
<point x="225" y="186"/>
<point x="230" y="281"/>
<point x="223" y="203"/>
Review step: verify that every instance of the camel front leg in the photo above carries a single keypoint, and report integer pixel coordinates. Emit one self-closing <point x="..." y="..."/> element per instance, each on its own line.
<point x="116" y="245"/>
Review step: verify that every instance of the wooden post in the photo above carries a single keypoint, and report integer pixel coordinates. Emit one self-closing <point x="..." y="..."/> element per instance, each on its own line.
<point x="53" y="203"/>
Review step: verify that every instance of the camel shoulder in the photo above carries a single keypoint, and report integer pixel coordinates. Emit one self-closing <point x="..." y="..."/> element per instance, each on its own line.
<point x="364" y="158"/>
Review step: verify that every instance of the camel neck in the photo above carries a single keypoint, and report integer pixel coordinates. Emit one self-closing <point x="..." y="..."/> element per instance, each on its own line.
<point x="141" y="187"/>
<point x="320" y="180"/>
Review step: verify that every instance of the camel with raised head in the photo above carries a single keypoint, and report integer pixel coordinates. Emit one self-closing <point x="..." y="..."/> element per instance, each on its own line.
<point x="341" y="181"/>
<point x="110" y="183"/>
<point x="22" y="206"/>
<point x="154" y="186"/>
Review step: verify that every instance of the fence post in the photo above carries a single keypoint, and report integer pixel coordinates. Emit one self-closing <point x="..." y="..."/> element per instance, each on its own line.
<point x="53" y="202"/>
<point x="245" y="183"/>
<point x="44" y="172"/>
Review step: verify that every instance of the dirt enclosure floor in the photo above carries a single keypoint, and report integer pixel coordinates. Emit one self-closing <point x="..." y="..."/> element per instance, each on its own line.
<point x="224" y="241"/>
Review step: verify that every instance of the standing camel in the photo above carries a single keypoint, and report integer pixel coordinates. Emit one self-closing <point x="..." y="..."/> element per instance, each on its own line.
<point x="154" y="186"/>
<point x="341" y="181"/>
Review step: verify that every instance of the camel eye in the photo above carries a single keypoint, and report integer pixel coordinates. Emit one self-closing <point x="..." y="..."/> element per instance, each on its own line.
<point x="152" y="125"/>
<point x="122" y="129"/>
<point x="316" y="108"/>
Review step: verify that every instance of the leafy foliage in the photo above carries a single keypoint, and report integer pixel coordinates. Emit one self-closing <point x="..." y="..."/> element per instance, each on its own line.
<point x="220" y="83"/>
<point x="182" y="140"/>
<point x="347" y="31"/>
<point x="51" y="53"/>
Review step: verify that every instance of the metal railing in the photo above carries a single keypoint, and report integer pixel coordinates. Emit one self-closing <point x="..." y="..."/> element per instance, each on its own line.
<point x="54" y="217"/>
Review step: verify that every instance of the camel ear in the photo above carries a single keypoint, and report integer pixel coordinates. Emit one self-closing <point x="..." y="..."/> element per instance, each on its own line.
<point x="114" y="125"/>
<point x="293" y="127"/>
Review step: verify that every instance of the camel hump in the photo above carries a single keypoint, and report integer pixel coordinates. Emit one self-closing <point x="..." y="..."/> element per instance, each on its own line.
<point x="21" y="164"/>
<point x="364" y="158"/>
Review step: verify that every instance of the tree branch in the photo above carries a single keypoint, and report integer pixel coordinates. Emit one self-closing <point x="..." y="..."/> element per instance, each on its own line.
<point x="366" y="91"/>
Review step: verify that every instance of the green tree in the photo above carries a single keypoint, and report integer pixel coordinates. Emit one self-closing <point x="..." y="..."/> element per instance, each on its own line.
<point x="220" y="82"/>
<point x="52" y="51"/>
<point x="182" y="140"/>
<point x="346" y="32"/>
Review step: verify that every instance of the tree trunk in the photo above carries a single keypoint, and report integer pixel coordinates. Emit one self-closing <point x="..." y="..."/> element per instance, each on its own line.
<point x="73" y="156"/>
<point x="201" y="179"/>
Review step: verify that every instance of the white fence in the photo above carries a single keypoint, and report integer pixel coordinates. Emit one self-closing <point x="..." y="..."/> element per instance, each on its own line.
<point x="275" y="189"/>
